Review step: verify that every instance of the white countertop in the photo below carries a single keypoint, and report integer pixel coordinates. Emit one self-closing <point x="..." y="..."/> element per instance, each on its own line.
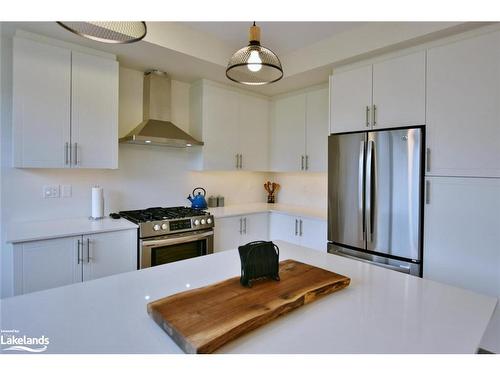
<point x="382" y="311"/>
<point x="253" y="208"/>
<point x="45" y="229"/>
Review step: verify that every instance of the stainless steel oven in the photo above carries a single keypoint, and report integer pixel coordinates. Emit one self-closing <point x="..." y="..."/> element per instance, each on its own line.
<point x="174" y="247"/>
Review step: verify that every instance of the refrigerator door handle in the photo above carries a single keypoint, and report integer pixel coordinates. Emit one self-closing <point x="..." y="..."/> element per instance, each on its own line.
<point x="361" y="190"/>
<point x="370" y="188"/>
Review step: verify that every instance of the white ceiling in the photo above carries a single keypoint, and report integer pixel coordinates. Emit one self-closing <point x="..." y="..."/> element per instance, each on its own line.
<point x="280" y="37"/>
<point x="188" y="51"/>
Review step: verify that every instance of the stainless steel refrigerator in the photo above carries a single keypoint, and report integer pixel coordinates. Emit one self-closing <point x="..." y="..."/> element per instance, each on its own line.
<point x="375" y="192"/>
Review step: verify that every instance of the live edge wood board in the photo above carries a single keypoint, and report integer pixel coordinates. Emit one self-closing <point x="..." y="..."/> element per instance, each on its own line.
<point x="204" y="319"/>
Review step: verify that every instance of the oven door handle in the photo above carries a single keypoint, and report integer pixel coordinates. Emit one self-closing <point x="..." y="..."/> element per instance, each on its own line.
<point x="176" y="240"/>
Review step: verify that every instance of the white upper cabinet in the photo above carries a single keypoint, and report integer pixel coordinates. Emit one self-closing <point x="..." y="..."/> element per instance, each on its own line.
<point x="234" y="127"/>
<point x="288" y="134"/>
<point x="220" y="128"/>
<point x="317" y="130"/>
<point x="387" y="94"/>
<point x="65" y="107"/>
<point x="41" y="105"/>
<point x="254" y="133"/>
<point x="463" y="111"/>
<point x="94" y="111"/>
<point x="351" y="100"/>
<point x="299" y="132"/>
<point x="399" y="91"/>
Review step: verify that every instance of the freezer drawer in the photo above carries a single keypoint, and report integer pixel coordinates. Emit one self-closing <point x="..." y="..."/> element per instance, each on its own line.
<point x="393" y="264"/>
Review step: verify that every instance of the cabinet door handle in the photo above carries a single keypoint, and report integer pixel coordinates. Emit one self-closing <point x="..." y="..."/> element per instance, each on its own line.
<point x="300" y="233"/>
<point x="237" y="161"/>
<point x="245" y="225"/>
<point x="66" y="158"/>
<point x="88" y="250"/>
<point x="241" y="161"/>
<point x="374" y="115"/>
<point x="302" y="162"/>
<point x="76" y="154"/>
<point x="296" y="227"/>
<point x="427" y="192"/>
<point x="78" y="252"/>
<point x="307" y="162"/>
<point x="241" y="225"/>
<point x="367" y="116"/>
<point x="428" y="159"/>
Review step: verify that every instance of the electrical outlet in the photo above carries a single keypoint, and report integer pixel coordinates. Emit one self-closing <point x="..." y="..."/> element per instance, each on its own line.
<point x="51" y="191"/>
<point x="66" y="191"/>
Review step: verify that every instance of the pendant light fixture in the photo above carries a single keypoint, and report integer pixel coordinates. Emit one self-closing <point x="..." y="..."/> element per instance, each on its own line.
<point x="254" y="64"/>
<point x="108" y="31"/>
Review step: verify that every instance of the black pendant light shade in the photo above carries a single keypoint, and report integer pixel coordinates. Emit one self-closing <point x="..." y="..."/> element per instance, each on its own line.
<point x="254" y="64"/>
<point x="108" y="31"/>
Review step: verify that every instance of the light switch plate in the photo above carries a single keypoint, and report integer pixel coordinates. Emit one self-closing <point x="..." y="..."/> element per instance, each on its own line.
<point x="66" y="191"/>
<point x="51" y="191"/>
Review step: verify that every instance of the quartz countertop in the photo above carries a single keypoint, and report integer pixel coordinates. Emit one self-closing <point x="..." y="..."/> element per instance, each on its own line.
<point x="46" y="229"/>
<point x="253" y="208"/>
<point x="381" y="311"/>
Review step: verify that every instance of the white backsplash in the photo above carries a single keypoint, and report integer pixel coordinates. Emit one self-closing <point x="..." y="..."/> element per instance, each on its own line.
<point x="148" y="177"/>
<point x="302" y="189"/>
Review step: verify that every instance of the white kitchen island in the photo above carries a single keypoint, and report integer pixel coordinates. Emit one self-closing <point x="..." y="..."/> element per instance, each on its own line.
<point x="382" y="311"/>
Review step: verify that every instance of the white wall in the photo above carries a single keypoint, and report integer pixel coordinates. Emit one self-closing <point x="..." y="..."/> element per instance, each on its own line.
<point x="147" y="176"/>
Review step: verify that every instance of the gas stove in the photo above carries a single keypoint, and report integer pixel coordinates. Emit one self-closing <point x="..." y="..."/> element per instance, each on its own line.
<point x="160" y="221"/>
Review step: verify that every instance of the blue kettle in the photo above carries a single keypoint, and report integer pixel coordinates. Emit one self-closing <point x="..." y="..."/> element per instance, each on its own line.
<point x="198" y="201"/>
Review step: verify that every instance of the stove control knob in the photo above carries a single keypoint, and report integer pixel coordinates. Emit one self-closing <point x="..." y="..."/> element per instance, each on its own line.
<point x="196" y="222"/>
<point x="164" y="226"/>
<point x="203" y="221"/>
<point x="209" y="221"/>
<point x="156" y="227"/>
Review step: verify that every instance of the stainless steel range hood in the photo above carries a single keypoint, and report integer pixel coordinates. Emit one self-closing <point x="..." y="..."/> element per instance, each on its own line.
<point x="156" y="129"/>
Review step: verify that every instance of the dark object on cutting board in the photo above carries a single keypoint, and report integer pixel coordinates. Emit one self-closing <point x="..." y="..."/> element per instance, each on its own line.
<point x="259" y="260"/>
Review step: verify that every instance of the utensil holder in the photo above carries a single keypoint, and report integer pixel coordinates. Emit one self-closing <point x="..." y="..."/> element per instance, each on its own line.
<point x="270" y="198"/>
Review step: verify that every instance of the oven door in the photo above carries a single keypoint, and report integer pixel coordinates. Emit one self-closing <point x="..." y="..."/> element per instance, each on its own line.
<point x="175" y="247"/>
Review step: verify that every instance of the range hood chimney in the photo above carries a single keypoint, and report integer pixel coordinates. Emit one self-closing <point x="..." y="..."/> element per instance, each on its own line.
<point x="156" y="128"/>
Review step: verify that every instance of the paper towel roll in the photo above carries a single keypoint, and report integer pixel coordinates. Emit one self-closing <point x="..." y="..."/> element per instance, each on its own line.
<point x="97" y="202"/>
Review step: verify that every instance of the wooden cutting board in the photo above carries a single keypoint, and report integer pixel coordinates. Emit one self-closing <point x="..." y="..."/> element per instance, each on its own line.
<point x="202" y="320"/>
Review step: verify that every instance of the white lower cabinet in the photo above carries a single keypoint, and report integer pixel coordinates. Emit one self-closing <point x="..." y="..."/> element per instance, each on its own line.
<point x="302" y="231"/>
<point x="52" y="263"/>
<point x="462" y="233"/>
<point x="106" y="254"/>
<point x="231" y="232"/>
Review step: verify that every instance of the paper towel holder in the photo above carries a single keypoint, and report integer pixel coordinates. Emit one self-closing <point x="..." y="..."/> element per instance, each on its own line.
<point x="97" y="218"/>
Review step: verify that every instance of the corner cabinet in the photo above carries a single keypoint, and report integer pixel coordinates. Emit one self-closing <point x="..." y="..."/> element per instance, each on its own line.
<point x="299" y="131"/>
<point x="307" y="232"/>
<point x="233" y="231"/>
<point x="233" y="125"/>
<point x="52" y="263"/>
<point x="386" y="94"/>
<point x="65" y="107"/>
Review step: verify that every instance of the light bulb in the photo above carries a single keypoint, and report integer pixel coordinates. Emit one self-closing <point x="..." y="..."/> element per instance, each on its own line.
<point x="254" y="62"/>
